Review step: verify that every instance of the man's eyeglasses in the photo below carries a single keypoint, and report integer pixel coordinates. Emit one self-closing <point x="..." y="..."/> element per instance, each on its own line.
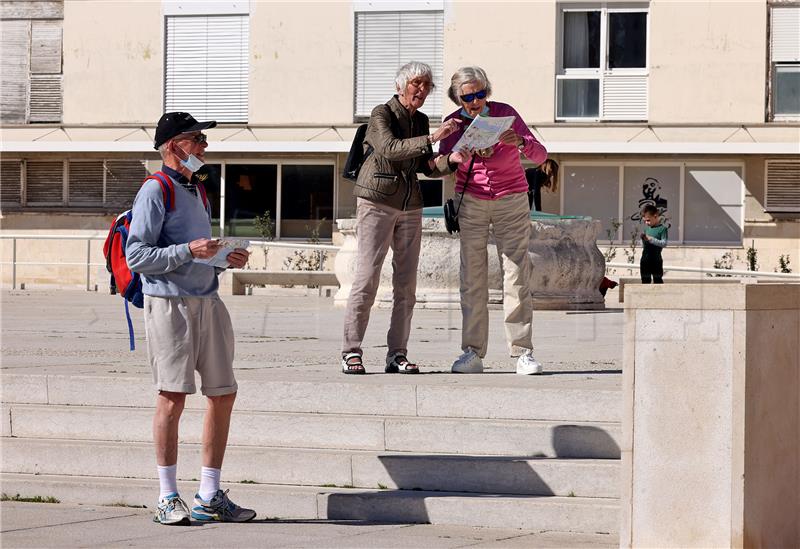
<point x="422" y="84"/>
<point x="199" y="138"/>
<point x="470" y="97"/>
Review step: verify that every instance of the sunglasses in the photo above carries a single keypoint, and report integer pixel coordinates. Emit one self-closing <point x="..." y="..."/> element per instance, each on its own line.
<point x="199" y="138"/>
<point x="470" y="97"/>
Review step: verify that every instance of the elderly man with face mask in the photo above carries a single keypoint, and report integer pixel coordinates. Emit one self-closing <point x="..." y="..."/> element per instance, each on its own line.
<point x="188" y="327"/>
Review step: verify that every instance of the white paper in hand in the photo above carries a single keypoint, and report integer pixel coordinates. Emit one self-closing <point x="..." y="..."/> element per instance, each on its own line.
<point x="483" y="132"/>
<point x="227" y="245"/>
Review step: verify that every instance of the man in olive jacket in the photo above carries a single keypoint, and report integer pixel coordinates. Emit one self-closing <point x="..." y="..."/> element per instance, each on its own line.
<point x="389" y="214"/>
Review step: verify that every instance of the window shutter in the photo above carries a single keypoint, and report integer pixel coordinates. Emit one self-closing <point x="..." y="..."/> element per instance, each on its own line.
<point x="15" y="67"/>
<point x="783" y="186"/>
<point x="785" y="35"/>
<point x="387" y="40"/>
<point x="123" y="179"/>
<point x="45" y="98"/>
<point x="624" y="97"/>
<point x="86" y="182"/>
<point x="46" y="47"/>
<point x="10" y="183"/>
<point x="44" y="183"/>
<point x="207" y="66"/>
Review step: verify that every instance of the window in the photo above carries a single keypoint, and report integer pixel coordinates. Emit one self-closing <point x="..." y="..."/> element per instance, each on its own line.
<point x="783" y="187"/>
<point x="593" y="191"/>
<point x="603" y="64"/>
<point x="31" y="63"/>
<point x="700" y="203"/>
<point x="387" y="40"/>
<point x="108" y="184"/>
<point x="207" y="66"/>
<point x="785" y="63"/>
<point x="301" y="205"/>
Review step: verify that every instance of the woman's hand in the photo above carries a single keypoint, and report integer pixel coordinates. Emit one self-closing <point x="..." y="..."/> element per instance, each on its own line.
<point x="447" y="127"/>
<point x="459" y="157"/>
<point x="510" y="137"/>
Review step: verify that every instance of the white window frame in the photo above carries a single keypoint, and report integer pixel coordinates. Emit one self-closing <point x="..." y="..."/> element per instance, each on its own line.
<point x="793" y="62"/>
<point x="602" y="72"/>
<point x="278" y="163"/>
<point x="393" y="6"/>
<point x="193" y="10"/>
<point x="681" y="191"/>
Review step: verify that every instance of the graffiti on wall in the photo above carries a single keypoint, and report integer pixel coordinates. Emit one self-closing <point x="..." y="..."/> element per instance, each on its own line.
<point x="651" y="195"/>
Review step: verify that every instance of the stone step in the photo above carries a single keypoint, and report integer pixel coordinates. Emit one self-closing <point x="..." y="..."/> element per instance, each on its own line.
<point x="306" y="467"/>
<point x="563" y="514"/>
<point x="430" y="396"/>
<point x="346" y="432"/>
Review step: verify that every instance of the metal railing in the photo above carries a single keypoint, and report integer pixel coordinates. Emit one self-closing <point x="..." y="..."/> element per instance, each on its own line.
<point x="88" y="262"/>
<point x="14" y="263"/>
<point x="713" y="271"/>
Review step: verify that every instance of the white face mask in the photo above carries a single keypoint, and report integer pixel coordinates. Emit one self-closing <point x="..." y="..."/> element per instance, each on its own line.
<point x="192" y="163"/>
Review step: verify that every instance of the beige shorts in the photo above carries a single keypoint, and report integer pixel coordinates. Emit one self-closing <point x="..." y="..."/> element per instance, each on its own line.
<point x="185" y="334"/>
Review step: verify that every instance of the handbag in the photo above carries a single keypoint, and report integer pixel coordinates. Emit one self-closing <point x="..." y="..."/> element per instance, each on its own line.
<point x="450" y="210"/>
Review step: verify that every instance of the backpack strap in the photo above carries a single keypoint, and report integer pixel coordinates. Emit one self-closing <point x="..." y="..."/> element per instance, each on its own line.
<point x="167" y="189"/>
<point x="203" y="195"/>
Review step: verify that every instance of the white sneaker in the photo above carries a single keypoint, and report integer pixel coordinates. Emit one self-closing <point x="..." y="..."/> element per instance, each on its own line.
<point x="468" y="363"/>
<point x="527" y="365"/>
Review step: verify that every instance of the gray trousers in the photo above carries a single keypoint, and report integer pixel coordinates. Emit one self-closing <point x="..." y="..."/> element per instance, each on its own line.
<point x="509" y="217"/>
<point x="378" y="228"/>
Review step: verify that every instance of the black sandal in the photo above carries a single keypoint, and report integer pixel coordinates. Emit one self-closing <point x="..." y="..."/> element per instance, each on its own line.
<point x="399" y="364"/>
<point x="351" y="364"/>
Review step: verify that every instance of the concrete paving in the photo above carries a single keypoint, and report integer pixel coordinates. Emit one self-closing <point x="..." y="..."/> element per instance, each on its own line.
<point x="41" y="525"/>
<point x="60" y="348"/>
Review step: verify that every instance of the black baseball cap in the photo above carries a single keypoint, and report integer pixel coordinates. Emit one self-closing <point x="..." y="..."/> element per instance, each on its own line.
<point x="176" y="123"/>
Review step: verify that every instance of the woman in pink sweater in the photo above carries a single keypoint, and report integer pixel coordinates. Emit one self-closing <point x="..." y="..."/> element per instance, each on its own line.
<point x="496" y="195"/>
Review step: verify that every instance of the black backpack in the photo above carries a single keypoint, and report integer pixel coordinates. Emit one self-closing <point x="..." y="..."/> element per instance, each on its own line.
<point x="357" y="156"/>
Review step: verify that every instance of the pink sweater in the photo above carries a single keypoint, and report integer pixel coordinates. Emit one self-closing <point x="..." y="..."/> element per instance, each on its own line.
<point x="501" y="174"/>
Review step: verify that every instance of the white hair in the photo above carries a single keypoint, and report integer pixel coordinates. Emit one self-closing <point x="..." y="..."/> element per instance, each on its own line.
<point x="465" y="75"/>
<point x="410" y="71"/>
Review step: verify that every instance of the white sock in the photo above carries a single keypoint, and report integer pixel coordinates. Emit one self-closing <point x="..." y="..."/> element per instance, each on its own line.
<point x="167" y="480"/>
<point x="209" y="483"/>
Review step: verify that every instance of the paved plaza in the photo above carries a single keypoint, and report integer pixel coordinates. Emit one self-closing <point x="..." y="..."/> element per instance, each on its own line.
<point x="290" y="335"/>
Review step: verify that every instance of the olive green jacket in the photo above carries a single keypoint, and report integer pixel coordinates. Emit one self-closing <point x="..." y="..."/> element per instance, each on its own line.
<point x="400" y="150"/>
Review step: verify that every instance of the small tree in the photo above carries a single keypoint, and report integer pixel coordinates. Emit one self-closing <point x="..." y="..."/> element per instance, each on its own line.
<point x="783" y="264"/>
<point x="266" y="229"/>
<point x="752" y="257"/>
<point x="724" y="262"/>
<point x="308" y="260"/>
<point x="611" y="252"/>
<point x="630" y="252"/>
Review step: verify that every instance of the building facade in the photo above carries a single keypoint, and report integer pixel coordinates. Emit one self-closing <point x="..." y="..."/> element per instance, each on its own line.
<point x="691" y="106"/>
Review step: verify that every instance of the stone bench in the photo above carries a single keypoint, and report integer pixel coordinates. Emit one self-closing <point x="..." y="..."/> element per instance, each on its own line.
<point x="706" y="280"/>
<point x="239" y="278"/>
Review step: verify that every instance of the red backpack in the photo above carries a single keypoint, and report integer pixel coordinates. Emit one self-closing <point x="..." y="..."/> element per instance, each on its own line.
<point x="123" y="281"/>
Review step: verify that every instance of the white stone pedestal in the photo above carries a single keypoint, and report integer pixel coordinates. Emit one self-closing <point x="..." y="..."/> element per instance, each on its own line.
<point x="567" y="266"/>
<point x="711" y="417"/>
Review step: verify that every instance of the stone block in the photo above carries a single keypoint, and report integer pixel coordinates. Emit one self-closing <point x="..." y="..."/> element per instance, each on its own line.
<point x="711" y="379"/>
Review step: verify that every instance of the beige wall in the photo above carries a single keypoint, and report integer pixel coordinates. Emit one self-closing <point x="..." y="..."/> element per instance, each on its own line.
<point x="707" y="61"/>
<point x="515" y="43"/>
<point x="113" y="62"/>
<point x="301" y="64"/>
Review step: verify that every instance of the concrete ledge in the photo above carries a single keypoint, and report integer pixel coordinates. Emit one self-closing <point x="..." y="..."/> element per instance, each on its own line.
<point x="708" y="280"/>
<point x="238" y="278"/>
<point x="565" y="514"/>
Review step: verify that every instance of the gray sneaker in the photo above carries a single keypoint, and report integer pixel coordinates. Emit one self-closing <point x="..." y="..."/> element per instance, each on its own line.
<point x="220" y="509"/>
<point x="468" y="363"/>
<point x="172" y="511"/>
